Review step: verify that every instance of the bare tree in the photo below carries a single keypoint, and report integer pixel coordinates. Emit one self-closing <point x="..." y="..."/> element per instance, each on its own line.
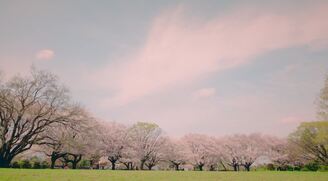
<point x="28" y="106"/>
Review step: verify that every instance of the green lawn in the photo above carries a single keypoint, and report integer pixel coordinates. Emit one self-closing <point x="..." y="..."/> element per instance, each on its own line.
<point x="80" y="175"/>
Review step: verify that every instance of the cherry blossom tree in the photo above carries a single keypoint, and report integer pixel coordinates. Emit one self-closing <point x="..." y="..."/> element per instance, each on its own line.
<point x="114" y="141"/>
<point x="199" y="148"/>
<point x="175" y="153"/>
<point x="70" y="142"/>
<point x="147" y="140"/>
<point x="243" y="150"/>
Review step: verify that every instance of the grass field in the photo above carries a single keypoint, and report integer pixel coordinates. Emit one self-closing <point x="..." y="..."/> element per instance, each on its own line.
<point x="80" y="175"/>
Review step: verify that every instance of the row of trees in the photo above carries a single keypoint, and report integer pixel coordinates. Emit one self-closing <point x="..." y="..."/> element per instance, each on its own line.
<point x="36" y="111"/>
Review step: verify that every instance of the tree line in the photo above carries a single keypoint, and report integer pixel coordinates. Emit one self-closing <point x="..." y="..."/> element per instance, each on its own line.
<point x="37" y="112"/>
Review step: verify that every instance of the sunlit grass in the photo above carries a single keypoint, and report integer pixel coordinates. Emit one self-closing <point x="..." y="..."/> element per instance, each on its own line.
<point x="80" y="175"/>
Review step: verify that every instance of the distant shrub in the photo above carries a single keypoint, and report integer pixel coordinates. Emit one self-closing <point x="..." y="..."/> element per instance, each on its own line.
<point x="15" y="164"/>
<point x="312" y="166"/>
<point x="84" y="164"/>
<point x="270" y="166"/>
<point x="297" y="168"/>
<point x="45" y="164"/>
<point x="282" y="167"/>
<point x="323" y="168"/>
<point x="26" y="164"/>
<point x="36" y="165"/>
<point x="289" y="168"/>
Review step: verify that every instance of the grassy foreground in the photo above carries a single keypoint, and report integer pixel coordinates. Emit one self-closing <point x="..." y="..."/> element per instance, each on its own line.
<point x="80" y="175"/>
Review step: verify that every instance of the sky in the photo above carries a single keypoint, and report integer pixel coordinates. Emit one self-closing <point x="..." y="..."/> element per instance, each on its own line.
<point x="212" y="67"/>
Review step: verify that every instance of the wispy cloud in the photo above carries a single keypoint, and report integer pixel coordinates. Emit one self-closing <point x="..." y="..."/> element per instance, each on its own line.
<point x="45" y="54"/>
<point x="179" y="50"/>
<point x="204" y="93"/>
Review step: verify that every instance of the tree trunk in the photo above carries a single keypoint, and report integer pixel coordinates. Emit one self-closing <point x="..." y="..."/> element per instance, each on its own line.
<point x="127" y="165"/>
<point x="91" y="164"/>
<point x="212" y="168"/>
<point x="176" y="166"/>
<point x="54" y="157"/>
<point x="200" y="166"/>
<point x="4" y="163"/>
<point x="77" y="159"/>
<point x="234" y="164"/>
<point x="247" y="166"/>
<point x="224" y="167"/>
<point x="113" y="164"/>
<point x="235" y="167"/>
<point x="142" y="164"/>
<point x="53" y="161"/>
<point x="74" y="165"/>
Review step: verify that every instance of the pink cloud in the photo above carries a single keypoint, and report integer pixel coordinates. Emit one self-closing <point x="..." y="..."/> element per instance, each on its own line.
<point x="45" y="54"/>
<point x="180" y="50"/>
<point x="205" y="93"/>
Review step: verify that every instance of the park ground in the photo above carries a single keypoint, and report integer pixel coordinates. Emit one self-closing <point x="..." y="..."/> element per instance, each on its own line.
<point x="80" y="175"/>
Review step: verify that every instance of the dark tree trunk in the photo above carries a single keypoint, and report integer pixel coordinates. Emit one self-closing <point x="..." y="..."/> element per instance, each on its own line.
<point x="150" y="166"/>
<point x="212" y="168"/>
<point x="142" y="164"/>
<point x="91" y="164"/>
<point x="177" y="166"/>
<point x="200" y="166"/>
<point x="235" y="168"/>
<point x="53" y="161"/>
<point x="54" y="157"/>
<point x="4" y="162"/>
<point x="235" y="165"/>
<point x="113" y="160"/>
<point x="74" y="165"/>
<point x="113" y="164"/>
<point x="247" y="166"/>
<point x="127" y="165"/>
<point x="224" y="167"/>
<point x="76" y="159"/>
